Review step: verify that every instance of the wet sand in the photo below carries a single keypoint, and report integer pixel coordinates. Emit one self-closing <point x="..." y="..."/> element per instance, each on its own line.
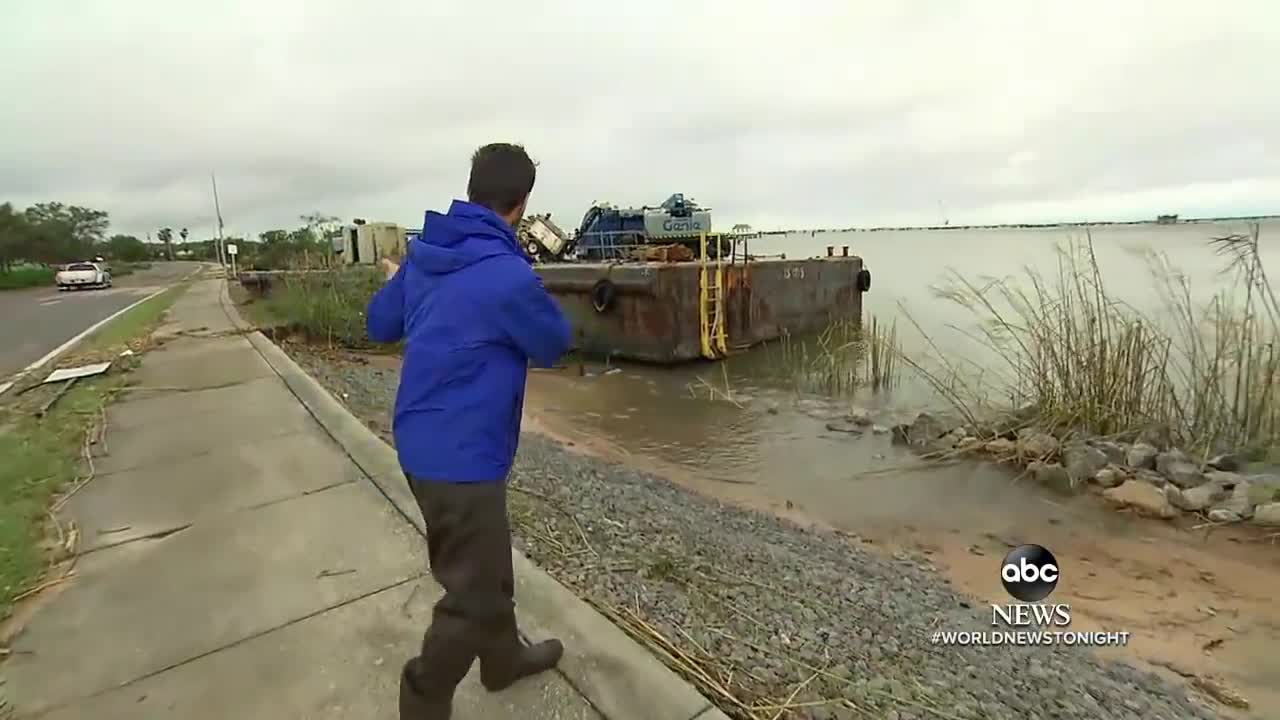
<point x="1197" y="602"/>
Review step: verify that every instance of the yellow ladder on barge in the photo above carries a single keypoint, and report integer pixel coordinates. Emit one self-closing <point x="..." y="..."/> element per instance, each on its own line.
<point x="711" y="316"/>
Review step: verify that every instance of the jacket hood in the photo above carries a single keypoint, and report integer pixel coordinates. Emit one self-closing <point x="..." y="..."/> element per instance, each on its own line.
<point x="465" y="235"/>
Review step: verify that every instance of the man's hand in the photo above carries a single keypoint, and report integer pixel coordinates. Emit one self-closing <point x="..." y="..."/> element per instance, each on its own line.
<point x="389" y="267"/>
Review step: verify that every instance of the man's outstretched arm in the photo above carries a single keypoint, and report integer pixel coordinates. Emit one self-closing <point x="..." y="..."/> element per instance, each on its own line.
<point x="384" y="320"/>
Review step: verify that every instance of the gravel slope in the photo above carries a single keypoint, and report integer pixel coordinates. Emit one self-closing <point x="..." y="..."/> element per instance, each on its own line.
<point x="761" y="613"/>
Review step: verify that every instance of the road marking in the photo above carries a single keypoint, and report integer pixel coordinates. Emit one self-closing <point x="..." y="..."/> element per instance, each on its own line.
<point x="51" y="301"/>
<point x="88" y="295"/>
<point x="68" y="344"/>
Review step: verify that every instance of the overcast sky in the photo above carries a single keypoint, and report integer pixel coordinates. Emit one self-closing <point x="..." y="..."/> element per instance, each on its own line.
<point x="777" y="114"/>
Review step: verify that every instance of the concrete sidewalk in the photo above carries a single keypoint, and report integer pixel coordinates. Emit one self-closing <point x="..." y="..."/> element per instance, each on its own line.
<point x="247" y="553"/>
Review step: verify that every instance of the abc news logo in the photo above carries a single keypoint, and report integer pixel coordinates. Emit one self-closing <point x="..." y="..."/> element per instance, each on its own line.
<point x="1030" y="574"/>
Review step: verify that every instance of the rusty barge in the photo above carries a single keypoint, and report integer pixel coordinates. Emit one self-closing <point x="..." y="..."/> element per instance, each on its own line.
<point x="672" y="312"/>
<point x="664" y="304"/>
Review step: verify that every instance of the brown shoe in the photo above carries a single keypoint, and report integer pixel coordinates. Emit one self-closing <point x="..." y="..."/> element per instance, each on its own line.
<point x="500" y="672"/>
<point x="416" y="705"/>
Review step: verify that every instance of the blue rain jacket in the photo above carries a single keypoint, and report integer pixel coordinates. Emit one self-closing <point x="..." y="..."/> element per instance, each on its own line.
<point x="473" y="315"/>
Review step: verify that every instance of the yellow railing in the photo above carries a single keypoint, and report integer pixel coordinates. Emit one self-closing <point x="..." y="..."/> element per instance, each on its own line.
<point x="711" y="315"/>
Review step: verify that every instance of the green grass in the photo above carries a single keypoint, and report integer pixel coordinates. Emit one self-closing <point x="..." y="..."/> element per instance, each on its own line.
<point x="136" y="322"/>
<point x="122" y="269"/>
<point x="43" y="456"/>
<point x="324" y="306"/>
<point x="254" y="308"/>
<point x="26" y="276"/>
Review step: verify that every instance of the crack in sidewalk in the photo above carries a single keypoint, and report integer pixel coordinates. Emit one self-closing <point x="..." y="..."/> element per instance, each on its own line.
<point x="296" y="496"/>
<point x="180" y="389"/>
<point x="170" y="531"/>
<point x="232" y="644"/>
<point x="162" y="460"/>
<point x="156" y="535"/>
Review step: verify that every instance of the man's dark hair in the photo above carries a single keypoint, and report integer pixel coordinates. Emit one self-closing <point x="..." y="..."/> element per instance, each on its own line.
<point x="502" y="176"/>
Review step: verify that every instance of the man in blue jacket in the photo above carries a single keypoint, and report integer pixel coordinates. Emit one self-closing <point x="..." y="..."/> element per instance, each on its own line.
<point x="473" y="315"/>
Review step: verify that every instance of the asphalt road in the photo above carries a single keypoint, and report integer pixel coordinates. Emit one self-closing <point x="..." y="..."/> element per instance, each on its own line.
<point x="34" y="321"/>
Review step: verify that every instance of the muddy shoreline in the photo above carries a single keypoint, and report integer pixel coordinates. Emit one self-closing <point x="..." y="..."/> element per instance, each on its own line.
<point x="768" y="614"/>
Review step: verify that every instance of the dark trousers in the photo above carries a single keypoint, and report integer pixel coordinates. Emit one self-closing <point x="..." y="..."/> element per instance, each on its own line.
<point x="469" y="546"/>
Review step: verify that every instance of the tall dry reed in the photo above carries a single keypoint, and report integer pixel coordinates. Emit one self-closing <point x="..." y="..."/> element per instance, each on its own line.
<point x="843" y="358"/>
<point x="1197" y="375"/>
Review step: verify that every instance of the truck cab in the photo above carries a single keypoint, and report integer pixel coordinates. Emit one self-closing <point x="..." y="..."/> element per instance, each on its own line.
<point x="366" y="243"/>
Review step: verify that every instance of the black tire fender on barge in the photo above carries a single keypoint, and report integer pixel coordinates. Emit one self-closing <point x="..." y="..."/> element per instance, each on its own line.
<point x="863" y="281"/>
<point x="604" y="295"/>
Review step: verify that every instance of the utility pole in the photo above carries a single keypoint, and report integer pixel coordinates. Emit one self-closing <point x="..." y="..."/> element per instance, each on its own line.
<point x="217" y="209"/>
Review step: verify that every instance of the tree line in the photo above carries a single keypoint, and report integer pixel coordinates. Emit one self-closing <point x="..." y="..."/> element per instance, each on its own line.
<point x="54" y="233"/>
<point x="308" y="245"/>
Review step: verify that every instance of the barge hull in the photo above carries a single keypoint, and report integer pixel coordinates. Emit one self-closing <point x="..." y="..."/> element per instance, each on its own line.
<point x="654" y="315"/>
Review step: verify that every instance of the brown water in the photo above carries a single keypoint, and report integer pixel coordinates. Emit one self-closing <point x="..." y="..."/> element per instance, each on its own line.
<point x="742" y="430"/>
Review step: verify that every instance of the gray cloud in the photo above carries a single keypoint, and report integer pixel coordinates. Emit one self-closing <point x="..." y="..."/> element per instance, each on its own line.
<point x="776" y="114"/>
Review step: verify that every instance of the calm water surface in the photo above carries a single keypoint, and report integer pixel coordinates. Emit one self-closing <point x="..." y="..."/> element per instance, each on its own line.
<point x="743" y="429"/>
<point x="906" y="264"/>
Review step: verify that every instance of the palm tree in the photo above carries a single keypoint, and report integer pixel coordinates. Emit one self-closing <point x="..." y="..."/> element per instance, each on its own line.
<point x="166" y="237"/>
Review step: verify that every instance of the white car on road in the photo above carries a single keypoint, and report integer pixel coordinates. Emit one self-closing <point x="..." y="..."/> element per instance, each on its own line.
<point x="83" y="275"/>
